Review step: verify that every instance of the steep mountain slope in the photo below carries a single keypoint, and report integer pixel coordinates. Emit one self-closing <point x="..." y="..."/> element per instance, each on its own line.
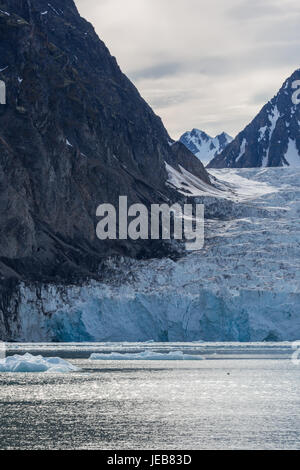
<point x="74" y="133"/>
<point x="272" y="138"/>
<point x="203" y="146"/>
<point x="243" y="286"/>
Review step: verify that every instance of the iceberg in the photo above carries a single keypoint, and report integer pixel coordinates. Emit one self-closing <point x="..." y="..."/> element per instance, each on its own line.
<point x="146" y="356"/>
<point x="30" y="363"/>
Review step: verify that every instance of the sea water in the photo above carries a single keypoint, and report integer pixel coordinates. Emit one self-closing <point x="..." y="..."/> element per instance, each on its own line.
<point x="242" y="396"/>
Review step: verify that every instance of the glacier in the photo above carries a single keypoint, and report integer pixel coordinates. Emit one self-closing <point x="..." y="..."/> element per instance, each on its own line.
<point x="243" y="286"/>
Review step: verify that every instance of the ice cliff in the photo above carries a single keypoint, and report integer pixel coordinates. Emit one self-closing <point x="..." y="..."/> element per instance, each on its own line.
<point x="243" y="286"/>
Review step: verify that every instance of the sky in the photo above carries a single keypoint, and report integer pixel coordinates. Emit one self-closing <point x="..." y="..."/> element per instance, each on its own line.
<point x="202" y="64"/>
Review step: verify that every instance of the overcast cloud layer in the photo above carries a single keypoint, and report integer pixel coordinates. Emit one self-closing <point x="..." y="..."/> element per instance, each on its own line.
<point x="205" y="64"/>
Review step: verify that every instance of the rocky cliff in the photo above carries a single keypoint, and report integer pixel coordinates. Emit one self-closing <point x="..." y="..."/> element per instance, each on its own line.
<point x="74" y="133"/>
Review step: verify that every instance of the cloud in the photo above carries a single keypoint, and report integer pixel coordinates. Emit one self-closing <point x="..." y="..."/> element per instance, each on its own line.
<point x="256" y="9"/>
<point x="157" y="71"/>
<point x="210" y="65"/>
<point x="261" y="97"/>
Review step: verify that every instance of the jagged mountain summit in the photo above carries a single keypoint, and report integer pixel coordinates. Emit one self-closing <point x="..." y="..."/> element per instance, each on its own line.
<point x="74" y="133"/>
<point x="272" y="139"/>
<point x="203" y="146"/>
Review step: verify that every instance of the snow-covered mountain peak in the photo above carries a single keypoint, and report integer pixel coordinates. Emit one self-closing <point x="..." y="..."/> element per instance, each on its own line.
<point x="272" y="138"/>
<point x="203" y="145"/>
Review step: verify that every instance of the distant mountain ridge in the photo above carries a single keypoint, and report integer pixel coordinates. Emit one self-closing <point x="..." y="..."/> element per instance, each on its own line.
<point x="203" y="146"/>
<point x="272" y="139"/>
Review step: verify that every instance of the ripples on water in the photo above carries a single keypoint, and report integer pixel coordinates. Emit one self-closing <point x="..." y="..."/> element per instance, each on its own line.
<point x="241" y="396"/>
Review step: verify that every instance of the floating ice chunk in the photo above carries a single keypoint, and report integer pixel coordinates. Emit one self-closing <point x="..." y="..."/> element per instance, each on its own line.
<point x="30" y="363"/>
<point x="146" y="356"/>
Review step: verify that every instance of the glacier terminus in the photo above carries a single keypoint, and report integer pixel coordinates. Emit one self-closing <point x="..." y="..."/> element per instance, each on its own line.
<point x="243" y="286"/>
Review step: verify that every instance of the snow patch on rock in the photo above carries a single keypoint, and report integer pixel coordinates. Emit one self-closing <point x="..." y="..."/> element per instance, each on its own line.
<point x="292" y="155"/>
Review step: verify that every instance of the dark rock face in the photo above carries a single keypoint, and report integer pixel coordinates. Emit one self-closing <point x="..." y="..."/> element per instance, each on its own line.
<point x="75" y="133"/>
<point x="272" y="139"/>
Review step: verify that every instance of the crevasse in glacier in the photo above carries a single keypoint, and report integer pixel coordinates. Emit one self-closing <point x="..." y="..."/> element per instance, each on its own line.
<point x="243" y="286"/>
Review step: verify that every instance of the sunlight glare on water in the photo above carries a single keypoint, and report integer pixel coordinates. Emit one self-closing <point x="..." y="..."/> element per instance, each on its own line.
<point x="243" y="396"/>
